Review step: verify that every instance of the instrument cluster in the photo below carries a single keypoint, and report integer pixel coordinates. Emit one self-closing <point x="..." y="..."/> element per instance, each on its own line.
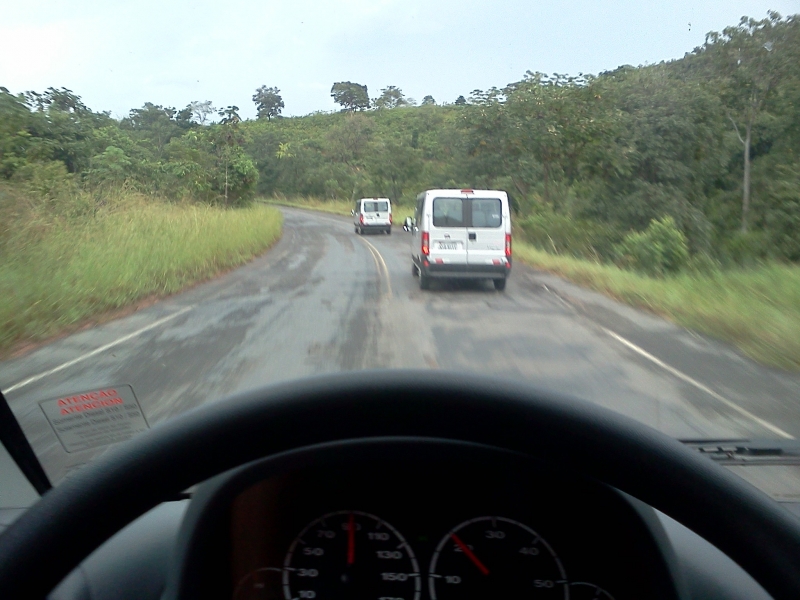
<point x="435" y="526"/>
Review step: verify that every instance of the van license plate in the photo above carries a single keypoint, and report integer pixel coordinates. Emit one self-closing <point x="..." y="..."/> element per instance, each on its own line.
<point x="448" y="245"/>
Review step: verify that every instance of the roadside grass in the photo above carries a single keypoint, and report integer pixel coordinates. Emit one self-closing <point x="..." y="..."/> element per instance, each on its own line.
<point x="757" y="309"/>
<point x="336" y="207"/>
<point x="57" y="272"/>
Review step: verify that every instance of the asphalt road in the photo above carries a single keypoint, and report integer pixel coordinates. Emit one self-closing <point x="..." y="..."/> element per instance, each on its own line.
<point x="327" y="300"/>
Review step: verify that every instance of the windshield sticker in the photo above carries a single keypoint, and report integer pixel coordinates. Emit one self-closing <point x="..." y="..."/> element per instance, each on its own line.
<point x="95" y="418"/>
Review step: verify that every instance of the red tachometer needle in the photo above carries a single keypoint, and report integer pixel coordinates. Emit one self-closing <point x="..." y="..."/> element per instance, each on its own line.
<point x="470" y="554"/>
<point x="351" y="539"/>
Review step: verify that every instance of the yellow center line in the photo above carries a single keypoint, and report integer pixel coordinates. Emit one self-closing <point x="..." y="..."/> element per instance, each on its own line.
<point x="380" y="264"/>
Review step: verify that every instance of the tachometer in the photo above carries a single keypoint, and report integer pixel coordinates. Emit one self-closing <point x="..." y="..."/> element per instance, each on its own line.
<point x="350" y="554"/>
<point x="494" y="557"/>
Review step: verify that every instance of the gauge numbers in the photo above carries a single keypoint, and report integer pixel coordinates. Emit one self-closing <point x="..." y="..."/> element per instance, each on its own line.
<point x="350" y="554"/>
<point x="495" y="557"/>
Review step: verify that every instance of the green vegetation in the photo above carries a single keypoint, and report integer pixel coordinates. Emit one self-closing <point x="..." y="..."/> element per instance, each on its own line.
<point x="156" y="150"/>
<point x="758" y="310"/>
<point x="58" y="270"/>
<point x="687" y="171"/>
<point x="337" y="207"/>
<point x="711" y="140"/>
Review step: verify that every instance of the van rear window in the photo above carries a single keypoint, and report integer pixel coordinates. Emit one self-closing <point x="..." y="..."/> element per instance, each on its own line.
<point x="486" y="212"/>
<point x="467" y="212"/>
<point x="448" y="212"/>
<point x="376" y="206"/>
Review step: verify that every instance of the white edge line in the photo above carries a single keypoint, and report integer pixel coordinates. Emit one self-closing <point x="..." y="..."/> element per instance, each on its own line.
<point x="96" y="351"/>
<point x="699" y="386"/>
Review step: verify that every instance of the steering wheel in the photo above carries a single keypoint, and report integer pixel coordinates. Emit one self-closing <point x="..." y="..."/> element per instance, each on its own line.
<point x="39" y="549"/>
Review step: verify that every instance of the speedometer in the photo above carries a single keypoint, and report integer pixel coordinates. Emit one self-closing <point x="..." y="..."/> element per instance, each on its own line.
<point x="350" y="554"/>
<point x="494" y="557"/>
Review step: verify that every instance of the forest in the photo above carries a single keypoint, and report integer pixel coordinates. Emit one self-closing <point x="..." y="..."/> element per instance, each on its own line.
<point x="688" y="164"/>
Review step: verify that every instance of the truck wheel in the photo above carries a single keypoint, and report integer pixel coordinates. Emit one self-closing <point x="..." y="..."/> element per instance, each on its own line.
<point x="499" y="284"/>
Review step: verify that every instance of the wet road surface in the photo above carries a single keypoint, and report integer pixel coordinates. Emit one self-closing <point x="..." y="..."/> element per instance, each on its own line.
<point x="327" y="300"/>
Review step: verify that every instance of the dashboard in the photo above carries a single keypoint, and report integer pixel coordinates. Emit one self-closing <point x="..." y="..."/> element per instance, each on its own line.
<point x="416" y="520"/>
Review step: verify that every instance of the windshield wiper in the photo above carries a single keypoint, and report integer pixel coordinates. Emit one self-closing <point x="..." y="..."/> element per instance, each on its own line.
<point x="15" y="442"/>
<point x="749" y="452"/>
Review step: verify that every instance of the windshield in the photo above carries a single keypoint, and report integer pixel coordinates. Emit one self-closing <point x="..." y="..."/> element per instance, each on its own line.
<point x="598" y="200"/>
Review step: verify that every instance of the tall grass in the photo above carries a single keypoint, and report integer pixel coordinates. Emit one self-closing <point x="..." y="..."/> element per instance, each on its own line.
<point x="756" y="309"/>
<point x="56" y="272"/>
<point x="336" y="207"/>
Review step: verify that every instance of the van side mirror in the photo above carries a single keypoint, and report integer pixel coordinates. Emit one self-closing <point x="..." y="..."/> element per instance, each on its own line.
<point x="352" y="212"/>
<point x="408" y="224"/>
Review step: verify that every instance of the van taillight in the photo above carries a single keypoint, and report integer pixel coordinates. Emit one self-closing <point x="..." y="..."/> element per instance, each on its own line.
<point x="426" y="243"/>
<point x="361" y="219"/>
<point x="508" y="245"/>
<point x="390" y="219"/>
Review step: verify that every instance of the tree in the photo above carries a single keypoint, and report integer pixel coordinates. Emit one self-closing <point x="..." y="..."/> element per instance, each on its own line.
<point x="428" y="100"/>
<point x="62" y="100"/>
<point x="110" y="167"/>
<point x="749" y="60"/>
<point x="541" y="121"/>
<point x="61" y="128"/>
<point x="230" y="115"/>
<point x="201" y="111"/>
<point x="268" y="101"/>
<point x="461" y="101"/>
<point x="154" y="125"/>
<point x="15" y="140"/>
<point x="350" y="96"/>
<point x="228" y="142"/>
<point x="393" y="165"/>
<point x="391" y="97"/>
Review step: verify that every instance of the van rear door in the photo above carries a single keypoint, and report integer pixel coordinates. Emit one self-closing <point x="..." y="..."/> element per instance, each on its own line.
<point x="376" y="212"/>
<point x="448" y="232"/>
<point x="486" y="235"/>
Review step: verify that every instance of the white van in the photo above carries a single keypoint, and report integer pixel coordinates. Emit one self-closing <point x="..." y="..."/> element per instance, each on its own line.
<point x="461" y="234"/>
<point x="373" y="214"/>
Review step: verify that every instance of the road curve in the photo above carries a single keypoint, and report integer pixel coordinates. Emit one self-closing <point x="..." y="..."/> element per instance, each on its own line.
<point x="326" y="300"/>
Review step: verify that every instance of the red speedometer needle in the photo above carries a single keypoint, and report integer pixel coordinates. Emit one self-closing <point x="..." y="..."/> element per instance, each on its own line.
<point x="470" y="554"/>
<point x="351" y="539"/>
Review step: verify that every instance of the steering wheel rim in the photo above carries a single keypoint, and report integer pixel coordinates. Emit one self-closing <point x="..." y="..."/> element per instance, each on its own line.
<point x="68" y="523"/>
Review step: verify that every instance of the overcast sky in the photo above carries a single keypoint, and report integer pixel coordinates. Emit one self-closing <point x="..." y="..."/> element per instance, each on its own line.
<point x="117" y="55"/>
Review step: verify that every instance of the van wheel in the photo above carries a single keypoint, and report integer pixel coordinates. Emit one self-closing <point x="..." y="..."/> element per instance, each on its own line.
<point x="424" y="281"/>
<point x="499" y="284"/>
<point x="414" y="272"/>
<point x="389" y="231"/>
